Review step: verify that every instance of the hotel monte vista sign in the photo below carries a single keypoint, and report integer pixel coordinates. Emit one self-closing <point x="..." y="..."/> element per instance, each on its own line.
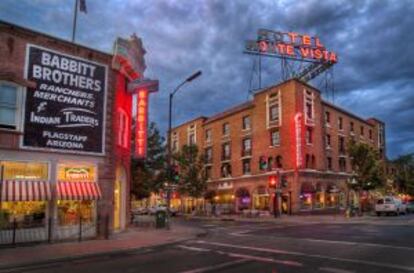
<point x="65" y="111"/>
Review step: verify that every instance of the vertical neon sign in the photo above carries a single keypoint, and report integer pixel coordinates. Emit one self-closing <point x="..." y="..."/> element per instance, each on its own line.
<point x="298" y="133"/>
<point x="141" y="124"/>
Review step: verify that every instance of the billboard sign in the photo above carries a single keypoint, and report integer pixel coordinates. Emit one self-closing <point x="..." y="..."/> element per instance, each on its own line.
<point x="141" y="124"/>
<point x="65" y="112"/>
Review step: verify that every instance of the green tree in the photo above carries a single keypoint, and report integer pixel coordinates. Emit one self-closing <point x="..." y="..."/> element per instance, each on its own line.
<point x="404" y="176"/>
<point x="192" y="180"/>
<point x="368" y="169"/>
<point x="148" y="175"/>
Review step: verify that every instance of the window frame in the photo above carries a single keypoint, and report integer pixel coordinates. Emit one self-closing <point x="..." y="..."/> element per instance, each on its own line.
<point x="19" y="109"/>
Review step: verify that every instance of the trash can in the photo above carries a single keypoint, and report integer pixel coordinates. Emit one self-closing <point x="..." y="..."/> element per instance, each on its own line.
<point x="160" y="219"/>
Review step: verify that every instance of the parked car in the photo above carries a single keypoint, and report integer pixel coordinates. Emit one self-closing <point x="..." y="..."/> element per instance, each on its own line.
<point x="410" y="206"/>
<point x="153" y="210"/>
<point x="390" y="205"/>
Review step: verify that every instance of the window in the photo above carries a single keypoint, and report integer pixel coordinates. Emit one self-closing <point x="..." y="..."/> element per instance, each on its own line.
<point x="123" y="129"/>
<point x="342" y="164"/>
<point x="246" y="166"/>
<point x="274" y="138"/>
<point x="362" y="130"/>
<point x="225" y="153"/>
<point x="351" y="126"/>
<point x="340" y="123"/>
<point x="309" y="110"/>
<point x="308" y="107"/>
<point x="247" y="147"/>
<point x="208" y="172"/>
<point x="327" y="117"/>
<point x="308" y="135"/>
<point x="226" y="170"/>
<point x="329" y="159"/>
<point x="9" y="105"/>
<point x="208" y="155"/>
<point x="270" y="164"/>
<point x="226" y="129"/>
<point x="328" y="140"/>
<point x="208" y="135"/>
<point x="246" y="123"/>
<point x="262" y="163"/>
<point x="191" y="135"/>
<point x="313" y="162"/>
<point x="307" y="161"/>
<point x="174" y="142"/>
<point x="370" y="133"/>
<point x="341" y="144"/>
<point x="273" y="110"/>
<point x="279" y="162"/>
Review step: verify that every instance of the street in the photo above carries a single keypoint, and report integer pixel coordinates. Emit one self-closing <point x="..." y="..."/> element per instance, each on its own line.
<point x="383" y="244"/>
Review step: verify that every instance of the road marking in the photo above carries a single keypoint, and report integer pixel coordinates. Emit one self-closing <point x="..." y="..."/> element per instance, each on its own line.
<point x="335" y="270"/>
<point x="216" y="267"/>
<point x="261" y="259"/>
<point x="194" y="248"/>
<point x="279" y="251"/>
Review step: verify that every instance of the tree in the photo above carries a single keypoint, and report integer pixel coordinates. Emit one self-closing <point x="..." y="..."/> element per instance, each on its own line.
<point x="368" y="170"/>
<point x="148" y="175"/>
<point x="192" y="179"/>
<point x="404" y="176"/>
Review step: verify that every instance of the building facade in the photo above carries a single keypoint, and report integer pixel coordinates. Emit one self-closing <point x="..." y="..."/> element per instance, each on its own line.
<point x="65" y="130"/>
<point x="287" y="133"/>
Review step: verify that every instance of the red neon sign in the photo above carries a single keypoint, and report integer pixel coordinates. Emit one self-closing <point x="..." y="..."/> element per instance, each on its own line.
<point x="291" y="45"/>
<point x="141" y="124"/>
<point x="298" y="134"/>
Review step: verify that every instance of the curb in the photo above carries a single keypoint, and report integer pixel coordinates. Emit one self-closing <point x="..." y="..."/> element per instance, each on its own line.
<point x="21" y="266"/>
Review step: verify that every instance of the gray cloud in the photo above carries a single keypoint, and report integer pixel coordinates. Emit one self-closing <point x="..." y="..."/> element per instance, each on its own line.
<point x="374" y="76"/>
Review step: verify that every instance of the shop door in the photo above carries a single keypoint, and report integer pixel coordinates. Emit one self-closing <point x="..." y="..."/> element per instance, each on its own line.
<point x="285" y="204"/>
<point x="117" y="205"/>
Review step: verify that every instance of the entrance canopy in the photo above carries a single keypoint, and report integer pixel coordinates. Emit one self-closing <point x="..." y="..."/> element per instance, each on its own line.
<point x="78" y="191"/>
<point x="25" y="190"/>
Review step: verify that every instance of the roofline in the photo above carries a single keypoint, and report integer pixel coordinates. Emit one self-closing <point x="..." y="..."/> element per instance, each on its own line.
<point x="259" y="91"/>
<point x="233" y="110"/>
<point x="190" y="121"/>
<point x="13" y="25"/>
<point x="346" y="112"/>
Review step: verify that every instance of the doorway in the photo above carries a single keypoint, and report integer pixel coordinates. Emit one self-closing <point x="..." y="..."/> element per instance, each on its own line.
<point x="120" y="199"/>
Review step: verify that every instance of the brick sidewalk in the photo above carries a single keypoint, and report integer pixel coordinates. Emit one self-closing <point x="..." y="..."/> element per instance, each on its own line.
<point x="133" y="238"/>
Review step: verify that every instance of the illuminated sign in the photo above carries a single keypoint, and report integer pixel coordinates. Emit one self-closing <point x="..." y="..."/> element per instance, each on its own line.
<point x="129" y="57"/>
<point x="298" y="134"/>
<point x="141" y="124"/>
<point x="19" y="170"/>
<point x="290" y="45"/>
<point x="76" y="173"/>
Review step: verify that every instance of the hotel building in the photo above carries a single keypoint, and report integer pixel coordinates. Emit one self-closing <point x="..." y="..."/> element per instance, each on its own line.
<point x="286" y="132"/>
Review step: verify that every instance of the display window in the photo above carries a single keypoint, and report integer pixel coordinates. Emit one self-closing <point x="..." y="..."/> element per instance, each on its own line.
<point x="306" y="201"/>
<point x="261" y="202"/>
<point x="76" y="172"/>
<point x="25" y="170"/>
<point x="26" y="214"/>
<point x="70" y="212"/>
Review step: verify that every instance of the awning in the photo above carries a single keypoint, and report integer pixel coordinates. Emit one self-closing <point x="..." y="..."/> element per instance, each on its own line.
<point x="78" y="191"/>
<point x="25" y="190"/>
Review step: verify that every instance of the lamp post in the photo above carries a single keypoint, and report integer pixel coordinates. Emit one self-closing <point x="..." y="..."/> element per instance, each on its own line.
<point x="169" y="157"/>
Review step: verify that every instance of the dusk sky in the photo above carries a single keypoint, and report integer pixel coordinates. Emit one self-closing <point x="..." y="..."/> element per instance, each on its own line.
<point x="373" y="39"/>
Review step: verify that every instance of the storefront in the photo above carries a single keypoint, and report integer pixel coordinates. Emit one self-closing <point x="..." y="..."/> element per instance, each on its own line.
<point x="261" y="198"/>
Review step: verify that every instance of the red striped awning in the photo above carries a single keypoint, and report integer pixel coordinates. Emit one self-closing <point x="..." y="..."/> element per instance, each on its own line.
<point x="78" y="191"/>
<point x="25" y="190"/>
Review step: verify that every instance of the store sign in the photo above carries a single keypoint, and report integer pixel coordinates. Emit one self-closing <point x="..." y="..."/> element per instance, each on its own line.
<point x="17" y="170"/>
<point x="66" y="110"/>
<point x="290" y="45"/>
<point x="129" y="57"/>
<point x="77" y="174"/>
<point x="298" y="134"/>
<point x="141" y="124"/>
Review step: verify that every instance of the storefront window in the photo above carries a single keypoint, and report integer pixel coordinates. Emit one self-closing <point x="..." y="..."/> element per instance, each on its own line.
<point x="26" y="214"/>
<point x="24" y="170"/>
<point x="76" y="172"/>
<point x="69" y="212"/>
<point x="319" y="200"/>
<point x="306" y="201"/>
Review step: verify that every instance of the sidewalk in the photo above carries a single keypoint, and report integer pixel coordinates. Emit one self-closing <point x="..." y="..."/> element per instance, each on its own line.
<point x="315" y="219"/>
<point x="133" y="238"/>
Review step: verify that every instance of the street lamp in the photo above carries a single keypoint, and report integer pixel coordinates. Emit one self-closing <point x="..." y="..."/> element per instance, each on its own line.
<point x="189" y="79"/>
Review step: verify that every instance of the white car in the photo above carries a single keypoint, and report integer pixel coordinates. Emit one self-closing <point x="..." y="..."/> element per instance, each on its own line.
<point x="390" y="205"/>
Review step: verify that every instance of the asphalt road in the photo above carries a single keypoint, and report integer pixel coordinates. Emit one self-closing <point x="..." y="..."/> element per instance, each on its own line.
<point x="384" y="245"/>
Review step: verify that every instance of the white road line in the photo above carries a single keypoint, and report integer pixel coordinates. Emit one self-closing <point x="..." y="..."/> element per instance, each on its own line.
<point x="215" y="267"/>
<point x="279" y="251"/>
<point x="261" y="259"/>
<point x="194" y="248"/>
<point x="335" y="270"/>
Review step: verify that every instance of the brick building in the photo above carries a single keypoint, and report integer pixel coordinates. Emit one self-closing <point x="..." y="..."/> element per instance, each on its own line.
<point x="286" y="132"/>
<point x="65" y="130"/>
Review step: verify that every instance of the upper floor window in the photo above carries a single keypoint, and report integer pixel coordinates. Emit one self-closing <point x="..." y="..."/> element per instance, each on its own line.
<point x="225" y="152"/>
<point x="273" y="109"/>
<point x="309" y="107"/>
<point x="340" y="123"/>
<point x="246" y="166"/>
<point x="342" y="164"/>
<point x="329" y="159"/>
<point x="275" y="138"/>
<point x="246" y="123"/>
<point x="309" y="137"/>
<point x="362" y="130"/>
<point x="174" y="141"/>
<point x="208" y="172"/>
<point x="370" y="133"/>
<point x="191" y="139"/>
<point x="341" y="144"/>
<point x="328" y="140"/>
<point x="226" y="129"/>
<point x="123" y="128"/>
<point x="310" y="161"/>
<point x="208" y="153"/>
<point x="327" y="117"/>
<point x="247" y="147"/>
<point x="351" y="126"/>
<point x="191" y="135"/>
<point x="226" y="170"/>
<point x="208" y="135"/>
<point x="9" y="105"/>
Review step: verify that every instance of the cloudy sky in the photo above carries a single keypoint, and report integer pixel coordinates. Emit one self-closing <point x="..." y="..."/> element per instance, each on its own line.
<point x="374" y="41"/>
